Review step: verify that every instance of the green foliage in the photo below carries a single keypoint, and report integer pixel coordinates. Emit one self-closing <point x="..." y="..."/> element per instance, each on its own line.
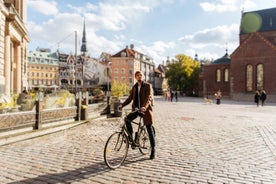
<point x="183" y="73"/>
<point x="119" y="89"/>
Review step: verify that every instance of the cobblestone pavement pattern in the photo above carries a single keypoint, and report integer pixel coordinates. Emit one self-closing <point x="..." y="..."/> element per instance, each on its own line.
<point x="233" y="142"/>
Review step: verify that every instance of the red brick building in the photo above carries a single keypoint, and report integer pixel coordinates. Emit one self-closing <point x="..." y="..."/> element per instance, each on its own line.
<point x="252" y="65"/>
<point x="215" y="76"/>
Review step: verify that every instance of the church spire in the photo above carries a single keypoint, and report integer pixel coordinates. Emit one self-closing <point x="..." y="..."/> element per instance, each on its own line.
<point x="83" y="45"/>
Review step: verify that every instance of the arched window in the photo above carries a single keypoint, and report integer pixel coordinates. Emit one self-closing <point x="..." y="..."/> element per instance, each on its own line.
<point x="218" y="75"/>
<point x="249" y="78"/>
<point x="226" y="75"/>
<point x="260" y="76"/>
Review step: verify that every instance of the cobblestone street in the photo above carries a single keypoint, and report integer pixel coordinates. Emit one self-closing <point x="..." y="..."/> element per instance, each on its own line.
<point x="234" y="142"/>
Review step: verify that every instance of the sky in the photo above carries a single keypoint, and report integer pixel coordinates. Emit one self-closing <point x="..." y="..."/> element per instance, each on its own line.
<point x="157" y="28"/>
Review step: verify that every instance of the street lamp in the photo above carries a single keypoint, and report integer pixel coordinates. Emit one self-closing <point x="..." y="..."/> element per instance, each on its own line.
<point x="76" y="61"/>
<point x="108" y="74"/>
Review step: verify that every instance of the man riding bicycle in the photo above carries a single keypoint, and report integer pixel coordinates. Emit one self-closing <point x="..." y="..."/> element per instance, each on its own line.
<point x="142" y="96"/>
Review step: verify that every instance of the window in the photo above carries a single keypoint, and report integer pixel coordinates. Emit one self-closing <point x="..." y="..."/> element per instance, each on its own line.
<point x="226" y="75"/>
<point x="218" y="75"/>
<point x="123" y="71"/>
<point x="115" y="70"/>
<point x="260" y="76"/>
<point x="249" y="78"/>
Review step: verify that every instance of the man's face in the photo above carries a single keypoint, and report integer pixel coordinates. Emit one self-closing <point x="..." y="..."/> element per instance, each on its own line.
<point x="139" y="77"/>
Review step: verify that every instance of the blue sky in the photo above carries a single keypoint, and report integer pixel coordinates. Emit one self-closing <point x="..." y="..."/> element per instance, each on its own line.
<point x="158" y="28"/>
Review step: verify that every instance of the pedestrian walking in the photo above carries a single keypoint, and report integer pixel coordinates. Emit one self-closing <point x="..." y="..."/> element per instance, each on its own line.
<point x="172" y="95"/>
<point x="263" y="97"/>
<point x="141" y="97"/>
<point x="218" y="96"/>
<point x="168" y="95"/>
<point x="176" y="96"/>
<point x="257" y="98"/>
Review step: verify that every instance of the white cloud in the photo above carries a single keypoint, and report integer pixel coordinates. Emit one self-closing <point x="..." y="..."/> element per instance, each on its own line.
<point x="220" y="6"/>
<point x="156" y="50"/>
<point x="212" y="39"/>
<point x="43" y="6"/>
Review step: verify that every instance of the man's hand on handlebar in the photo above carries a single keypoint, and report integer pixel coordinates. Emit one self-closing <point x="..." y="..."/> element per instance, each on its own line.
<point x="143" y="109"/>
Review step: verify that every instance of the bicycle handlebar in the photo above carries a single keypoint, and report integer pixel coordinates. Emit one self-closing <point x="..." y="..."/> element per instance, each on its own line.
<point x="140" y="113"/>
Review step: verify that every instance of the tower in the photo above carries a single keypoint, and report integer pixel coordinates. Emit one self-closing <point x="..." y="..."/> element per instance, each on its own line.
<point x="84" y="42"/>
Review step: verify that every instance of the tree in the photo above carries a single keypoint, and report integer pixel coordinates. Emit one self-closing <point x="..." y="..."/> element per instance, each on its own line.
<point x="182" y="74"/>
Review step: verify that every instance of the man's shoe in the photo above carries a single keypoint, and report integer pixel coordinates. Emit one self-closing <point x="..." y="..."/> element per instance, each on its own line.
<point x="133" y="146"/>
<point x="152" y="154"/>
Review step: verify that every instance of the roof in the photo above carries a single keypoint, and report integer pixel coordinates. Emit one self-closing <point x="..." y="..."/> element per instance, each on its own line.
<point x="43" y="57"/>
<point x="258" y="21"/>
<point x="162" y="68"/>
<point x="223" y="60"/>
<point x="127" y="52"/>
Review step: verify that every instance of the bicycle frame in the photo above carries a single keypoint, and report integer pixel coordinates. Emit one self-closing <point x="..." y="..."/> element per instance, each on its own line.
<point x="137" y="133"/>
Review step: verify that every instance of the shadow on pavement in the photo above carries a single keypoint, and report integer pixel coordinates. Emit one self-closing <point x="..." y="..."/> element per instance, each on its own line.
<point x="80" y="173"/>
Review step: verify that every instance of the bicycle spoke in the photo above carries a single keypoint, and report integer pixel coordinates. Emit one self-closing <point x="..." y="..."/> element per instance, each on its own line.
<point x="116" y="149"/>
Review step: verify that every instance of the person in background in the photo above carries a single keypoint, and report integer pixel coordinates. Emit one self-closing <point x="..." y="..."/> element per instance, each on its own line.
<point x="257" y="98"/>
<point x="172" y="95"/>
<point x="218" y="96"/>
<point x="263" y="97"/>
<point x="176" y="96"/>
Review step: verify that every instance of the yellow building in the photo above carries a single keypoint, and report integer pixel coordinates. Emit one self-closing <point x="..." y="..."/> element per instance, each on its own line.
<point x="43" y="69"/>
<point x="13" y="46"/>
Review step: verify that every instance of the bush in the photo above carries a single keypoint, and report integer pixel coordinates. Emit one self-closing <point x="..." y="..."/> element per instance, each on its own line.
<point x="119" y="89"/>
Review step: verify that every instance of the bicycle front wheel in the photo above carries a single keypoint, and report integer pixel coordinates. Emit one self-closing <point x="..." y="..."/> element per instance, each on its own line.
<point x="144" y="142"/>
<point x="115" y="150"/>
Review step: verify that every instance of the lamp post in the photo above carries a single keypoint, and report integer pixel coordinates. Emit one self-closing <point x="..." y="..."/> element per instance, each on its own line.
<point x="108" y="74"/>
<point x="76" y="61"/>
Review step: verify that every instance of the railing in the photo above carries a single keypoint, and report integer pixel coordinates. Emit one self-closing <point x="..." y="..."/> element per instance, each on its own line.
<point x="22" y="121"/>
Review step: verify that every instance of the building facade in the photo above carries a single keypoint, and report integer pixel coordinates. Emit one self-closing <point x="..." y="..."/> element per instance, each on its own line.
<point x="13" y="48"/>
<point x="43" y="69"/>
<point x="126" y="62"/>
<point x="253" y="63"/>
<point x="251" y="66"/>
<point x="215" y="76"/>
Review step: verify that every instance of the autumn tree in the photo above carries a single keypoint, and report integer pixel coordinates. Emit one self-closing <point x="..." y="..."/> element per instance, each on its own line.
<point x="182" y="74"/>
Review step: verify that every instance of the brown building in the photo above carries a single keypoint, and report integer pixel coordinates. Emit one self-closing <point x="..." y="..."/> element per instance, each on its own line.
<point x="252" y="64"/>
<point x="215" y="76"/>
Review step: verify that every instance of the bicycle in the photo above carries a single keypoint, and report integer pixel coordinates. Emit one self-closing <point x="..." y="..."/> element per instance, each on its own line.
<point x="117" y="145"/>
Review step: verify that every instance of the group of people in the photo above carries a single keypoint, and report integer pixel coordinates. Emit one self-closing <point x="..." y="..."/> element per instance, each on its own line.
<point x="260" y="96"/>
<point x="170" y="95"/>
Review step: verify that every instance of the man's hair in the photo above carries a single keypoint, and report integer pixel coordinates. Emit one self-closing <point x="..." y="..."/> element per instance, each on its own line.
<point x="137" y="72"/>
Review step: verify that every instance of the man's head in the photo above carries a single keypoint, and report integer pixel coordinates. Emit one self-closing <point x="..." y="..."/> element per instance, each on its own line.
<point x="138" y="76"/>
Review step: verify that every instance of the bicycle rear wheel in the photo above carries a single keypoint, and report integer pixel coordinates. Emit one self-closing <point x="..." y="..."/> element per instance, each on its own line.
<point x="115" y="150"/>
<point x="144" y="142"/>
